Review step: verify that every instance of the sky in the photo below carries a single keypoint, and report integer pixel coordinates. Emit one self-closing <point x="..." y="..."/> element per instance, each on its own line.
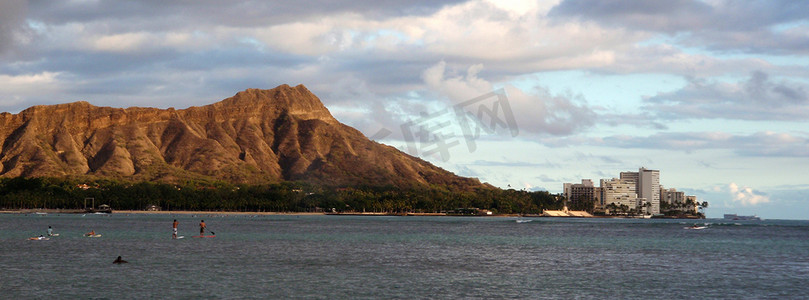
<point x="520" y="94"/>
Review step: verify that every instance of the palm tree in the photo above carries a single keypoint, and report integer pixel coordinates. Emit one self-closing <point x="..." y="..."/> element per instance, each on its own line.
<point x="702" y="205"/>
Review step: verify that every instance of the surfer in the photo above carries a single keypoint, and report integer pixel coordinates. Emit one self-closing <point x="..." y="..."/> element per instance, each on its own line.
<point x="50" y="231"/>
<point x="174" y="235"/>
<point x="119" y="261"/>
<point x="91" y="233"/>
<point x="202" y="228"/>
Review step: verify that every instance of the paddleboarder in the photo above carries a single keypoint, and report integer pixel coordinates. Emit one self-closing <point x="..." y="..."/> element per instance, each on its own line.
<point x="174" y="235"/>
<point x="50" y="231"/>
<point x="119" y="261"/>
<point x="202" y="228"/>
<point x="91" y="233"/>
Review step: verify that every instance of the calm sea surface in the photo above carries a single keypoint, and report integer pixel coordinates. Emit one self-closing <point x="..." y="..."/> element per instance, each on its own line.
<point x="338" y="257"/>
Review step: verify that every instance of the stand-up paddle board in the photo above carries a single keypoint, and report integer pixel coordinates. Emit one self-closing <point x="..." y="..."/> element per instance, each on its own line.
<point x="55" y="234"/>
<point x="38" y="239"/>
<point x="95" y="235"/>
<point x="179" y="237"/>
<point x="203" y="236"/>
<point x="695" y="227"/>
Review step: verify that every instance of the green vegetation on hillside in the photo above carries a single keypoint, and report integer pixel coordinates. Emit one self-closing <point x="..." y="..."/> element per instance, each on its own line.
<point x="60" y="193"/>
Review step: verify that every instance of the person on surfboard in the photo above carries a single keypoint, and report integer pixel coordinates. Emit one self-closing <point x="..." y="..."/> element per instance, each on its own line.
<point x="202" y="228"/>
<point x="91" y="233"/>
<point x="119" y="261"/>
<point x="50" y="231"/>
<point x="174" y="235"/>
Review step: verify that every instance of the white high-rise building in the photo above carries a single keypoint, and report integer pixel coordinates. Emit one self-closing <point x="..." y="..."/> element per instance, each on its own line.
<point x="649" y="187"/>
<point x="619" y="192"/>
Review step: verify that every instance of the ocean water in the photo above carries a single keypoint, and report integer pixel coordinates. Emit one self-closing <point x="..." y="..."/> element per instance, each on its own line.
<point x="341" y="257"/>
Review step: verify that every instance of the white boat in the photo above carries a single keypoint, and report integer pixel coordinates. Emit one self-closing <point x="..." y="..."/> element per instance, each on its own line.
<point x="741" y="218"/>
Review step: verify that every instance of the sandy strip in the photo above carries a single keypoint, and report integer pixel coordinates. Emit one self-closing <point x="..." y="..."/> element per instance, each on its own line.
<point x="184" y="212"/>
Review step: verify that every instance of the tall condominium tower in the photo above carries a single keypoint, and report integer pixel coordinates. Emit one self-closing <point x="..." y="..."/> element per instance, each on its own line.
<point x="647" y="185"/>
<point x="649" y="188"/>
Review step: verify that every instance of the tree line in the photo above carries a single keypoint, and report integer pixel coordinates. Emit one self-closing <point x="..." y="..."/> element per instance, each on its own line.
<point x="67" y="193"/>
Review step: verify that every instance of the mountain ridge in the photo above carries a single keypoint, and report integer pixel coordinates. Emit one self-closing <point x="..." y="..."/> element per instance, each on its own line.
<point x="256" y="136"/>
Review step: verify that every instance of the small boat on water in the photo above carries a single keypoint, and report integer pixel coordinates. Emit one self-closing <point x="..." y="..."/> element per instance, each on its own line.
<point x="741" y="218"/>
<point x="695" y="227"/>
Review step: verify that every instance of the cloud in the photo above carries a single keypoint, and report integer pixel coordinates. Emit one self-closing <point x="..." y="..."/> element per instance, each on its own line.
<point x="749" y="26"/>
<point x="537" y="111"/>
<point x="237" y="13"/>
<point x="762" y="144"/>
<point x="18" y="88"/>
<point x="757" y="98"/>
<point x="746" y="196"/>
<point x="514" y="164"/>
<point x="12" y="15"/>
<point x="386" y="45"/>
<point x="382" y="58"/>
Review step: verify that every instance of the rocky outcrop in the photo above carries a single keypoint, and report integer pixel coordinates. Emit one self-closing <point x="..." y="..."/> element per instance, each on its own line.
<point x="256" y="136"/>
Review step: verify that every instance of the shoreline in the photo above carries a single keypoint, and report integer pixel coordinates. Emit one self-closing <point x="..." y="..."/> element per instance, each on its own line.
<point x="267" y="213"/>
<point x="159" y="212"/>
<point x="202" y="212"/>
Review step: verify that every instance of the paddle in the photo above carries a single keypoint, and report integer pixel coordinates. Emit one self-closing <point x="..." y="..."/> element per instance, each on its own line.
<point x="209" y="230"/>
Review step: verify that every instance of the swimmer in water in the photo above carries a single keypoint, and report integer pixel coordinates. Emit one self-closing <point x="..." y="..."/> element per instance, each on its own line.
<point x="119" y="261"/>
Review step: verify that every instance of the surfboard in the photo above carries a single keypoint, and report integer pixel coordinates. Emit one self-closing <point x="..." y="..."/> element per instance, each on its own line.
<point x="55" y="234"/>
<point x="93" y="236"/>
<point x="179" y="237"/>
<point x="203" y="236"/>
<point x="38" y="239"/>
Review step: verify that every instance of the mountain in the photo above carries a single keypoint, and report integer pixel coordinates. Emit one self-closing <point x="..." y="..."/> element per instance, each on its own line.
<point x="256" y="136"/>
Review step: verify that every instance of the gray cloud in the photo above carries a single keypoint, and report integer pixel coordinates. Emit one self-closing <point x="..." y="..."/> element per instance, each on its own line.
<point x="510" y="164"/>
<point x="379" y="87"/>
<point x="728" y="25"/>
<point x="768" y="144"/>
<point x="554" y="114"/>
<point x="241" y="13"/>
<point x="12" y="15"/>
<point x="668" y="16"/>
<point x="757" y="98"/>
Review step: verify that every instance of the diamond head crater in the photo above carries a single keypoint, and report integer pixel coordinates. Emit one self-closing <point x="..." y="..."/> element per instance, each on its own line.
<point x="277" y="150"/>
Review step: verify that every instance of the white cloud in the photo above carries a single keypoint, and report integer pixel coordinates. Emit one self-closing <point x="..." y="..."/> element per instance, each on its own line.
<point x="15" y="89"/>
<point x="125" y="42"/>
<point x="746" y="196"/>
<point x="536" y="111"/>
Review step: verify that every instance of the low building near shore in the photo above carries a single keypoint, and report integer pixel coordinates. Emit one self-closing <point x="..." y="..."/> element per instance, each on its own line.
<point x="566" y="213"/>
